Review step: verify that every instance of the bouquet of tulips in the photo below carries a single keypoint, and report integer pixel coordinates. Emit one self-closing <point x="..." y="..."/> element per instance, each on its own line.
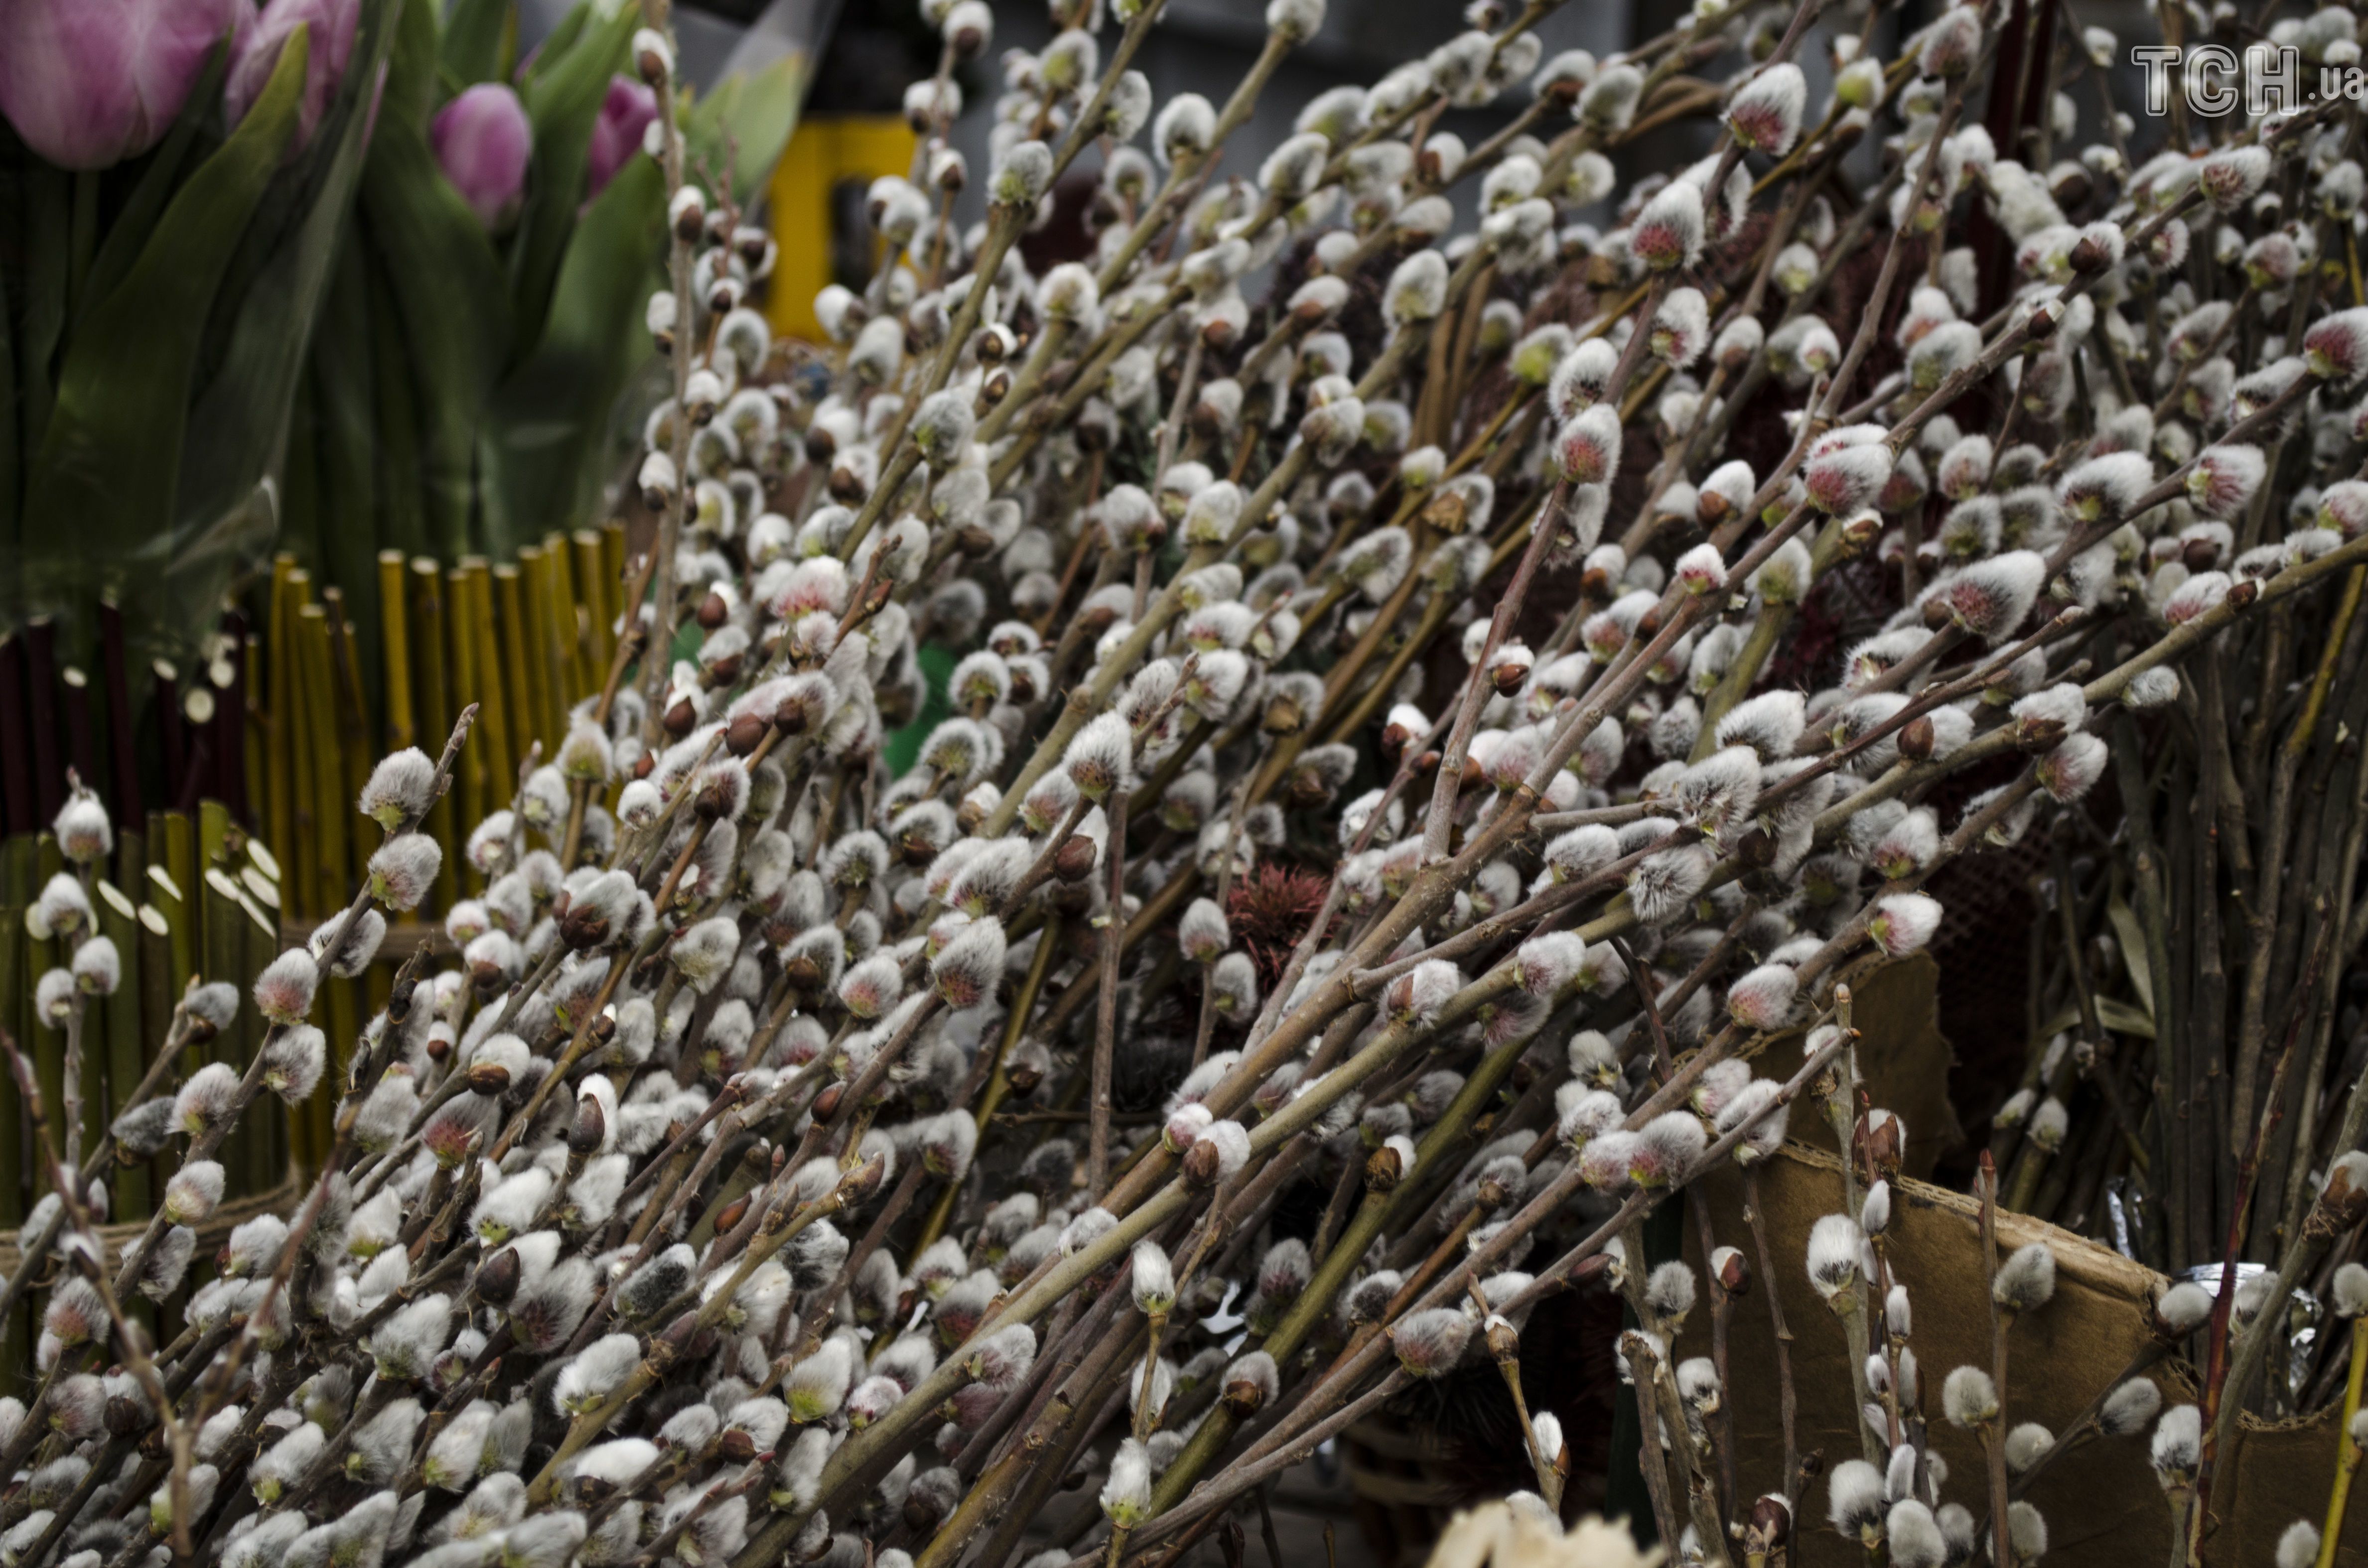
<point x="461" y="393"/>
<point x="405" y="300"/>
<point x="1393" y="852"/>
<point x="177" y="176"/>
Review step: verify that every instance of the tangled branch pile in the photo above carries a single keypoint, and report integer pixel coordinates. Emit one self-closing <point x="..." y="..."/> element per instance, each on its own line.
<point x="1371" y="770"/>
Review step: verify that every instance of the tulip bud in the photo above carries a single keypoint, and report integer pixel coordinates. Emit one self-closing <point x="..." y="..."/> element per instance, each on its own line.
<point x="483" y="140"/>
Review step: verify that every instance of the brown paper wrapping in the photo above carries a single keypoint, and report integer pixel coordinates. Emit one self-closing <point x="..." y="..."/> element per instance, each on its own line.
<point x="1905" y="1061"/>
<point x="2101" y="1501"/>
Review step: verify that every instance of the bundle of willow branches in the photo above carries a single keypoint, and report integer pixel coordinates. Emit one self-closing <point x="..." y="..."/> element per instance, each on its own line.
<point x="1377" y="769"/>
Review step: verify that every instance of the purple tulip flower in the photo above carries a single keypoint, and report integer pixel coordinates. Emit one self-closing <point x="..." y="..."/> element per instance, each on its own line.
<point x="90" y="83"/>
<point x="625" y="115"/>
<point x="332" y="24"/>
<point x="483" y="140"/>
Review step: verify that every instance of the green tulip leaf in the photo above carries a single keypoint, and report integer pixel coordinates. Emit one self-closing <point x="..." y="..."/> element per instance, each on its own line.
<point x="748" y="119"/>
<point x="109" y="460"/>
<point x="563" y="101"/>
<point x="136" y="220"/>
<point x="339" y="418"/>
<point x="401" y="512"/>
<point x="39" y="213"/>
<point x="11" y="468"/>
<point x="410" y="96"/>
<point x="452" y="301"/>
<point x="552" y="418"/>
<point x="480" y="42"/>
<point x="237" y="425"/>
<point x="557" y="41"/>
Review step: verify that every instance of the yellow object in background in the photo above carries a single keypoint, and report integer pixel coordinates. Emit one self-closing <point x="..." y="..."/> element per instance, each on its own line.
<point x="813" y="216"/>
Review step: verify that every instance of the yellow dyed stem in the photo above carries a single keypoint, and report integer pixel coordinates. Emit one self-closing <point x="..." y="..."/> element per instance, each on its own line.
<point x="394" y="648"/>
<point x="2347" y="1452"/>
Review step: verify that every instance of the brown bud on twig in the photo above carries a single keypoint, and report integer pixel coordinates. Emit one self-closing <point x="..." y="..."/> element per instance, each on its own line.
<point x="650" y="63"/>
<point x="1915" y="738"/>
<point x="398" y="1003"/>
<point x="1448" y="511"/>
<point x="746" y="733"/>
<point x="865" y="1179"/>
<point x="1202" y="1164"/>
<point x="967" y="39"/>
<point x="590" y="1129"/>
<point x="1876" y="1142"/>
<point x="1504" y="1341"/>
<point x="1244" y="1397"/>
<point x="1074" y="861"/>
<point x="497" y="1278"/>
<point x="1383" y="1168"/>
<point x="1771" y="1523"/>
<point x="995" y="343"/>
<point x="2039" y="733"/>
<point x="2342" y="1203"/>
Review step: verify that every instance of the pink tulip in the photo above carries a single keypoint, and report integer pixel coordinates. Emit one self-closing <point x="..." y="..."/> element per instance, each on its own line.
<point x="483" y="140"/>
<point x="90" y="83"/>
<point x="617" y="134"/>
<point x="331" y="44"/>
